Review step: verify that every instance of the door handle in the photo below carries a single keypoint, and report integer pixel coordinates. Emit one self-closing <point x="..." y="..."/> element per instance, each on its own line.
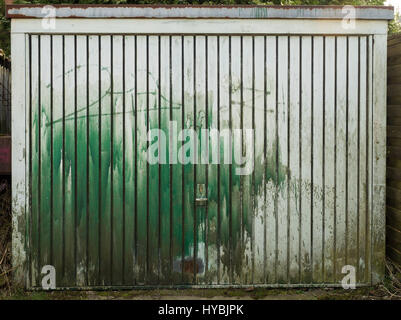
<point x="201" y="198"/>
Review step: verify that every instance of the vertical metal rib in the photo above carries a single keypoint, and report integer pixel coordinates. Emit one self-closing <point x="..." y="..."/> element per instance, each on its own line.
<point x="136" y="156"/>
<point x="194" y="165"/>
<point x="100" y="156"/>
<point x="30" y="158"/>
<point x="159" y="166"/>
<point x="288" y="156"/>
<point x="367" y="159"/>
<point x="63" y="162"/>
<point x="324" y="159"/>
<point x="207" y="165"/>
<point x="111" y="158"/>
<point x="312" y="180"/>
<point x="171" y="166"/>
<point x="371" y="145"/>
<point x="147" y="163"/>
<point x="230" y="165"/>
<point x="39" y="151"/>
<point x="253" y="159"/>
<point x="346" y="154"/>
<point x="51" y="151"/>
<point x="87" y="160"/>
<point x="218" y="166"/>
<point x="300" y="160"/>
<point x="182" y="166"/>
<point x="358" y="161"/>
<point x="264" y="158"/>
<point x="124" y="178"/>
<point x="276" y="168"/>
<point x="242" y="224"/>
<point x="335" y="161"/>
<point x="75" y="160"/>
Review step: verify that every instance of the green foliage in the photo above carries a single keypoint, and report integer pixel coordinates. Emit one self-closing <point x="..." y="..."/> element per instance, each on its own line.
<point x="395" y="25"/>
<point x="4" y="31"/>
<point x="333" y="2"/>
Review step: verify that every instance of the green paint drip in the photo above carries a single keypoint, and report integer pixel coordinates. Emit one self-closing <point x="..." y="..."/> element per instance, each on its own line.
<point x="101" y="214"/>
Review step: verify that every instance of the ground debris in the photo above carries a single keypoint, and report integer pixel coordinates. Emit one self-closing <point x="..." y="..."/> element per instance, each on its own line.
<point x="5" y="235"/>
<point x="391" y="286"/>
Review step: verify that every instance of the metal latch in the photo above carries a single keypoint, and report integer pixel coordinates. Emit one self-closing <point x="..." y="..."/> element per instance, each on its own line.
<point x="201" y="199"/>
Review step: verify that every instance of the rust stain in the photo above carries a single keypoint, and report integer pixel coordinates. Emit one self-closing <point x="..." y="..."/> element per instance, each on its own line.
<point x="189" y="265"/>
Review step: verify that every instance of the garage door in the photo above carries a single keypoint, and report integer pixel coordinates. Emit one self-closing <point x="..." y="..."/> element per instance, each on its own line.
<point x="199" y="159"/>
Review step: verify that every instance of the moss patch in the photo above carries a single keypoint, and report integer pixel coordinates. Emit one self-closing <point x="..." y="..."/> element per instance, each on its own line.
<point x="251" y="293"/>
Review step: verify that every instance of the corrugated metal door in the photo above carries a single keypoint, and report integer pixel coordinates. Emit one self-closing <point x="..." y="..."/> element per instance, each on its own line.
<point x="104" y="216"/>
